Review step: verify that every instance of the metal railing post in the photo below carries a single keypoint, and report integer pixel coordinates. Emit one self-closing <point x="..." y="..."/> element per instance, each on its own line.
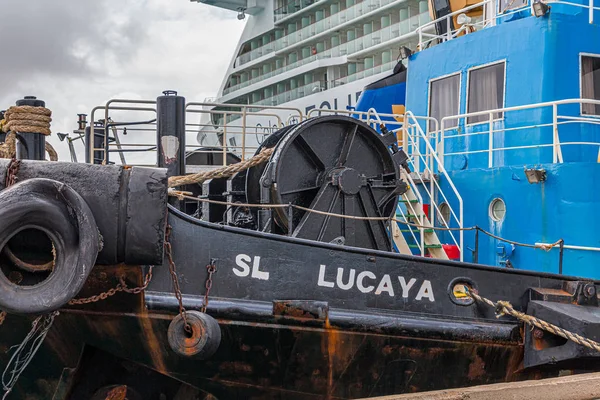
<point x="591" y="11"/>
<point x="224" y="139"/>
<point x="244" y="109"/>
<point x="491" y="142"/>
<point x="554" y="133"/>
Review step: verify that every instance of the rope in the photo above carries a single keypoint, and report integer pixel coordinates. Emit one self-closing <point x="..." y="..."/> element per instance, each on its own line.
<point x="51" y="152"/>
<point x="27" y="119"/>
<point x="505" y="308"/>
<point x="25" y="352"/>
<point x="8" y="149"/>
<point x="223" y="172"/>
<point x="182" y="195"/>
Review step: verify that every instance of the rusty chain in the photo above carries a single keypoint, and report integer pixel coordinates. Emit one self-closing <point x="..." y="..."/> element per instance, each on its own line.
<point x="176" y="288"/>
<point x="121" y="287"/>
<point x="211" y="268"/>
<point x="11" y="172"/>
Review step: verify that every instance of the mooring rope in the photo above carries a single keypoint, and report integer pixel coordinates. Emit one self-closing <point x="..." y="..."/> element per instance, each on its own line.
<point x="8" y="149"/>
<point x="184" y="195"/>
<point x="505" y="308"/>
<point x="223" y="172"/>
<point x="27" y="119"/>
<point x="25" y="351"/>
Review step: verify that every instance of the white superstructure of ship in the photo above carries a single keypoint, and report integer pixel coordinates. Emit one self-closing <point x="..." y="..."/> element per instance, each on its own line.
<point x="305" y="54"/>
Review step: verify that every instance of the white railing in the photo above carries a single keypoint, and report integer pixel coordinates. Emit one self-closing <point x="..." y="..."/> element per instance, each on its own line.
<point x="415" y="140"/>
<point x="426" y="37"/>
<point x="493" y="121"/>
<point x="590" y="7"/>
<point x="490" y="18"/>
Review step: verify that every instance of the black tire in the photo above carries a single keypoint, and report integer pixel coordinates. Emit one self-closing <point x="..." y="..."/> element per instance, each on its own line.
<point x="60" y="212"/>
<point x="204" y="340"/>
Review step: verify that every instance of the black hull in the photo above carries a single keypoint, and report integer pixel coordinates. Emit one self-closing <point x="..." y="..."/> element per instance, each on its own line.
<point x="291" y="334"/>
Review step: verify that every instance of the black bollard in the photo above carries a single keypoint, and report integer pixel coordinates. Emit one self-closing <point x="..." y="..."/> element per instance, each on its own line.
<point x="170" y="132"/>
<point x="31" y="146"/>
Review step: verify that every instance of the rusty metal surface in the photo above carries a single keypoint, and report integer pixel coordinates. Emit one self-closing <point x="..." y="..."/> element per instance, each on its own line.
<point x="106" y="277"/>
<point x="266" y="361"/>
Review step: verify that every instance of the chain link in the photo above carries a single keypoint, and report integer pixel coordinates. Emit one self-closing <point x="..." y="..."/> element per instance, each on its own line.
<point x="11" y="172"/>
<point x="211" y="268"/>
<point x="176" y="287"/>
<point x="121" y="287"/>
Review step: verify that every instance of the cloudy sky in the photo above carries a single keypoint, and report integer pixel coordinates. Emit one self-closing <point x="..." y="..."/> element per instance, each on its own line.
<point x="77" y="54"/>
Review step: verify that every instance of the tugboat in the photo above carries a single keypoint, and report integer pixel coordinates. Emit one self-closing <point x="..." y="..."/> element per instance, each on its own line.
<point x="391" y="248"/>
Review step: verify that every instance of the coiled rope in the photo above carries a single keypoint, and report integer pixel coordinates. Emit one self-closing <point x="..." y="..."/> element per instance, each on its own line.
<point x="28" y="119"/>
<point x="25" y="119"/>
<point x="505" y="308"/>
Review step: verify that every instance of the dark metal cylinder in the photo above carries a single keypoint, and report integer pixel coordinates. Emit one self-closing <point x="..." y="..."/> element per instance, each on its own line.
<point x="31" y="146"/>
<point x="129" y="205"/>
<point x="170" y="132"/>
<point x="98" y="144"/>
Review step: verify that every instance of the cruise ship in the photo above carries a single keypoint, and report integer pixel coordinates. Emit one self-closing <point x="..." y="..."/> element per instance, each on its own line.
<point x="307" y="55"/>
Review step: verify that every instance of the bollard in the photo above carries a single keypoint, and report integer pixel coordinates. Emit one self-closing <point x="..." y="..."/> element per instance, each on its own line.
<point x="31" y="146"/>
<point x="170" y="132"/>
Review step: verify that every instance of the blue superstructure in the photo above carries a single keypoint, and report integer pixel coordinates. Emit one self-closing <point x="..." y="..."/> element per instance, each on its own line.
<point x="536" y="69"/>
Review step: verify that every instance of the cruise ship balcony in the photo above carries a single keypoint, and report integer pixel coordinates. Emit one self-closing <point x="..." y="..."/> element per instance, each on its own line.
<point x="323" y="27"/>
<point x="398" y="32"/>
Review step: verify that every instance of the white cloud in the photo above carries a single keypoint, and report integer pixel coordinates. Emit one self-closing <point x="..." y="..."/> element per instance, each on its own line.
<point x="77" y="54"/>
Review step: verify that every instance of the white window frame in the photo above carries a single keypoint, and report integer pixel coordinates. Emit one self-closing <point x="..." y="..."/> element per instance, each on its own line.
<point x="581" y="55"/>
<point x="503" y="61"/>
<point x="459" y="73"/>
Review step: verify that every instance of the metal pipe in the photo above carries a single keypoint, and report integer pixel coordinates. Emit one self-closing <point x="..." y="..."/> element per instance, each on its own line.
<point x="571" y="247"/>
<point x="560" y="257"/>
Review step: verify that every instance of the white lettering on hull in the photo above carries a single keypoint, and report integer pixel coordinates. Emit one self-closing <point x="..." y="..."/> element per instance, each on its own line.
<point x="368" y="282"/>
<point x="242" y="261"/>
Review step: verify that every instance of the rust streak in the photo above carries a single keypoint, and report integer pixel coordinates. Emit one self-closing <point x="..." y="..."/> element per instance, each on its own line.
<point x="152" y="344"/>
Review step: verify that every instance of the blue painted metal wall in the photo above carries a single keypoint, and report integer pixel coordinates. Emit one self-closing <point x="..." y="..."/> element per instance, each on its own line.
<point x="542" y="58"/>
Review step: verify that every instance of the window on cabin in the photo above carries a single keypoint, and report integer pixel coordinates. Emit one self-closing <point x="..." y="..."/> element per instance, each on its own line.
<point x="486" y="92"/>
<point x="505" y="5"/>
<point x="590" y="84"/>
<point x="444" y="100"/>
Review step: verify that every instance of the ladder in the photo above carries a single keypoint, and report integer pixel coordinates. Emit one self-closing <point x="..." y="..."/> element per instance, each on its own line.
<point x="407" y="238"/>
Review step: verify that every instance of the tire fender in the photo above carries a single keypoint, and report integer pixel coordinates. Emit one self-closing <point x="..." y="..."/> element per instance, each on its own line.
<point x="60" y="212"/>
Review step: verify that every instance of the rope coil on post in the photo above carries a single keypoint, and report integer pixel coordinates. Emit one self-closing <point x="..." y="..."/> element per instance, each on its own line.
<point x="505" y="308"/>
<point x="28" y="119"/>
<point x="25" y="119"/>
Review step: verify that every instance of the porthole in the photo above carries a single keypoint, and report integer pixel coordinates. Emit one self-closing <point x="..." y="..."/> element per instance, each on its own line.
<point x="497" y="210"/>
<point x="444" y="217"/>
